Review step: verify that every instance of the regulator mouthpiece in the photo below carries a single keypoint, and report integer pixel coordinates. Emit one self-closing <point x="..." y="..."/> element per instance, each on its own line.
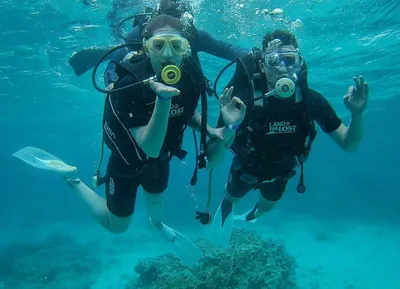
<point x="285" y="87"/>
<point x="171" y="74"/>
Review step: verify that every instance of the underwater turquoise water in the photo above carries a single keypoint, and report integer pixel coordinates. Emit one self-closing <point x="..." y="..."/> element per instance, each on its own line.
<point x="43" y="104"/>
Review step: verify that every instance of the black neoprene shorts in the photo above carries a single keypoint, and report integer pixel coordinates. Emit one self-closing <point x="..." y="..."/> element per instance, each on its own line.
<point x="122" y="183"/>
<point x="242" y="179"/>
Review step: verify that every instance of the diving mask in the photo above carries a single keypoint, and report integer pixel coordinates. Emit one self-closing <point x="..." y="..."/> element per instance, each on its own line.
<point x="274" y="60"/>
<point x="176" y="43"/>
<point x="286" y="64"/>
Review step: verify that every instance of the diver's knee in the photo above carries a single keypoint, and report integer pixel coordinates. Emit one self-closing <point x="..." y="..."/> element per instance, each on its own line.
<point x="118" y="225"/>
<point x="153" y="198"/>
<point x="154" y="205"/>
<point x="265" y="204"/>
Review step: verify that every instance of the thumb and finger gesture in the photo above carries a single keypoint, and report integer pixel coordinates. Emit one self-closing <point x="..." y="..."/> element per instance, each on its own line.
<point x="356" y="98"/>
<point x="228" y="104"/>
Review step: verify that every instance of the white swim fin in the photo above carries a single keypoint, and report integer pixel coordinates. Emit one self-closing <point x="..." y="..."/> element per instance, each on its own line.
<point x="244" y="216"/>
<point x="221" y="231"/>
<point x="41" y="159"/>
<point x="183" y="248"/>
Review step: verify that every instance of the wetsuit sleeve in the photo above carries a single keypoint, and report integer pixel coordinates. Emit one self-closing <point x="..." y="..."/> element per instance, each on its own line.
<point x="127" y="104"/>
<point x="322" y="112"/>
<point x="110" y="76"/>
<point x="206" y="43"/>
<point x="135" y="34"/>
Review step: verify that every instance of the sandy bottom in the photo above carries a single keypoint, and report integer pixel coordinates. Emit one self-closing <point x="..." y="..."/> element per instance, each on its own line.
<point x="330" y="255"/>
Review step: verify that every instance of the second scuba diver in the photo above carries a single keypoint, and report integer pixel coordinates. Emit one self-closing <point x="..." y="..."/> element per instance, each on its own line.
<point x="276" y="135"/>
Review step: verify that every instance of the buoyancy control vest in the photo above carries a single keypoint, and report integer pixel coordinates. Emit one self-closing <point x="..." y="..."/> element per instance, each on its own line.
<point x="183" y="107"/>
<point x="275" y="131"/>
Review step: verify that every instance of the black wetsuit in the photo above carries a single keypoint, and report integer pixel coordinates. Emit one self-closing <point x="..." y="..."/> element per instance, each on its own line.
<point x="129" y="167"/>
<point x="271" y="138"/>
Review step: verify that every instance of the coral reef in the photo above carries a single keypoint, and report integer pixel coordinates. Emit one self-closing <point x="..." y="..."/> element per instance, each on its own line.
<point x="250" y="262"/>
<point x="58" y="262"/>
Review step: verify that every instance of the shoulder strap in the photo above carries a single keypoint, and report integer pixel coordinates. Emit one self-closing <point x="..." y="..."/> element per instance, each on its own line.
<point x="192" y="67"/>
<point x="254" y="77"/>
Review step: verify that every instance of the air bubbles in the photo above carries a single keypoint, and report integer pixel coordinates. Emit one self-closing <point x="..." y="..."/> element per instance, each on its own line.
<point x="276" y="12"/>
<point x="266" y="12"/>
<point x="297" y="25"/>
<point x="277" y="19"/>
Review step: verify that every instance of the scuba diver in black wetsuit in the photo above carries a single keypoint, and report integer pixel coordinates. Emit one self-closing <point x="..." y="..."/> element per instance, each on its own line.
<point x="276" y="135"/>
<point x="200" y="40"/>
<point x="146" y="113"/>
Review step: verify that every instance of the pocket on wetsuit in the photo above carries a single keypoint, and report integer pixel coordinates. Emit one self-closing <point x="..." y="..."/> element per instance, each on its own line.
<point x="248" y="179"/>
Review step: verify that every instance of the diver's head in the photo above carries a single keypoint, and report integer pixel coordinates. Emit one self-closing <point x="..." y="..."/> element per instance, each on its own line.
<point x="182" y="10"/>
<point x="164" y="42"/>
<point x="282" y="63"/>
<point x="175" y="8"/>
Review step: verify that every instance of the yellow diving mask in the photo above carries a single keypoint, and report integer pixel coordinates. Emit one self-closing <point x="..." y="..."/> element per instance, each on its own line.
<point x="159" y="42"/>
